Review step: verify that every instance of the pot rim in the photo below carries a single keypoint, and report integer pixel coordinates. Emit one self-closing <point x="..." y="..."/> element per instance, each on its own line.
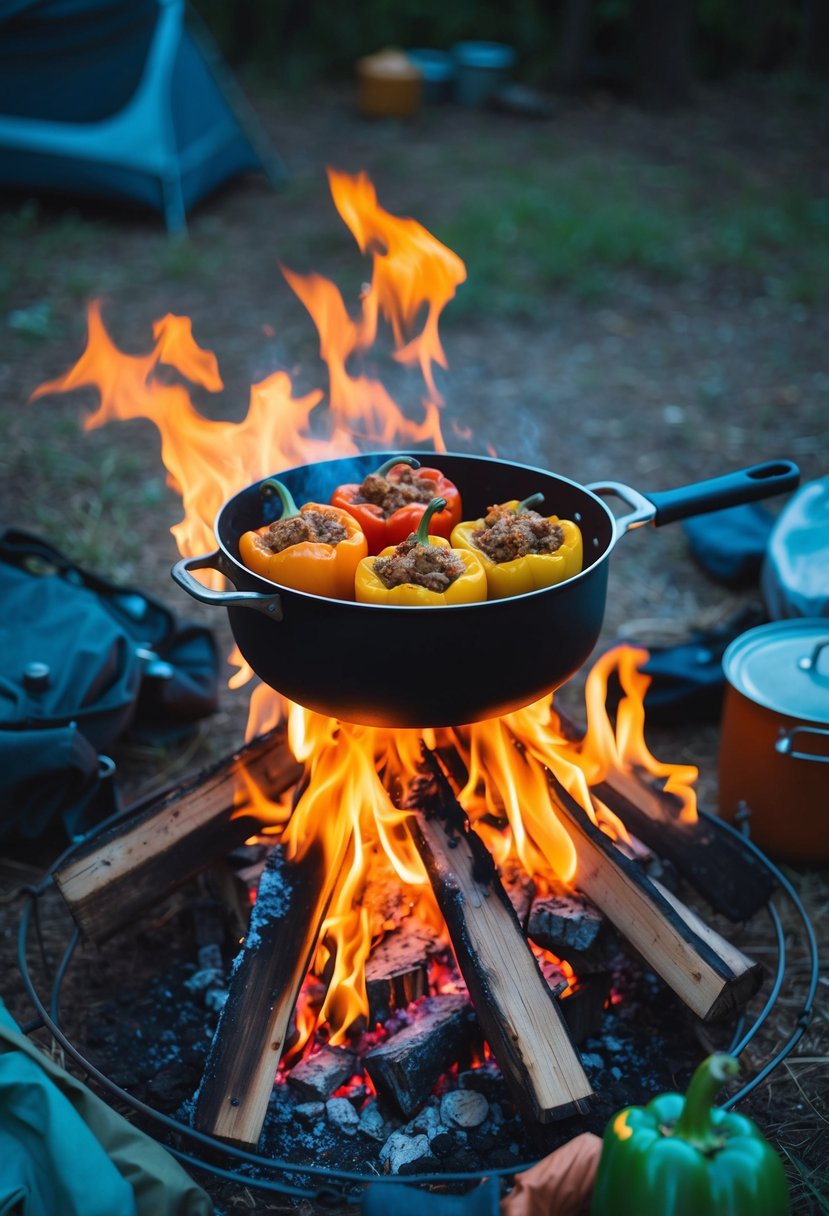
<point x="748" y="670"/>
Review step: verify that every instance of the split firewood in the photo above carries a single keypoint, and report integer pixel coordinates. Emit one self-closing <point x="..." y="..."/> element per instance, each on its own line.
<point x="159" y="845"/>
<point x="406" y="1067"/>
<point x="518" y="1015"/>
<point x="710" y="975"/>
<point x="717" y="866"/>
<point x="285" y="923"/>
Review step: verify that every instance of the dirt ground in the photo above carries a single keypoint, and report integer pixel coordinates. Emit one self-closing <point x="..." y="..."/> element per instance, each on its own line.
<point x="650" y="383"/>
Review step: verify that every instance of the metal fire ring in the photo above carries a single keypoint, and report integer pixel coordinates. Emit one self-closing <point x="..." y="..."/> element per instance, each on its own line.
<point x="335" y="1187"/>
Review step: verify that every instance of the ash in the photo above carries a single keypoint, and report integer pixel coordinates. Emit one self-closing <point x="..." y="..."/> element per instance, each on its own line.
<point x="152" y="1040"/>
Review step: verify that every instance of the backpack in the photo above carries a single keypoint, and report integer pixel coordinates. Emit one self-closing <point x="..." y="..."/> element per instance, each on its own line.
<point x="82" y="662"/>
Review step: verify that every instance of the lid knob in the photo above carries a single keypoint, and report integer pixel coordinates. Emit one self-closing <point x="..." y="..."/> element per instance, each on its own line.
<point x="36" y="676"/>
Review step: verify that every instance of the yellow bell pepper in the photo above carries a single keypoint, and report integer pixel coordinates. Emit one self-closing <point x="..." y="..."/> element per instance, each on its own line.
<point x="312" y="566"/>
<point x="468" y="588"/>
<point x="531" y="572"/>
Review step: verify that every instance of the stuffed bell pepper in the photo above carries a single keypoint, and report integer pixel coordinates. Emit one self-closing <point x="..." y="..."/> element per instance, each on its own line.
<point x="314" y="548"/>
<point x="682" y="1156"/>
<point x="422" y="571"/>
<point x="520" y="549"/>
<point x="388" y="503"/>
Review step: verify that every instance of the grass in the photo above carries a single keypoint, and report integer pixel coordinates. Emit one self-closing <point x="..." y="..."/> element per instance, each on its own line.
<point x="577" y="225"/>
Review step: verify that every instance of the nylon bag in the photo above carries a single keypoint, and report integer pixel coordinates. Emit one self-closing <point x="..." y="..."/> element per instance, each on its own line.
<point x="82" y="660"/>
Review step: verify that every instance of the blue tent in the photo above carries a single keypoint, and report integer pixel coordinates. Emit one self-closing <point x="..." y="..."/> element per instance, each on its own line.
<point x="120" y="99"/>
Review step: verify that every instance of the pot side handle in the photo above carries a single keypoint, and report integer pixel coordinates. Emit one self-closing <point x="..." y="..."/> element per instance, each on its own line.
<point x="270" y="604"/>
<point x="785" y="744"/>
<point x="730" y="490"/>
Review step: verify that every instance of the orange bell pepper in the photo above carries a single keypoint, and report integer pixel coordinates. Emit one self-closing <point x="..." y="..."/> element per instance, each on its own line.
<point x="313" y="566"/>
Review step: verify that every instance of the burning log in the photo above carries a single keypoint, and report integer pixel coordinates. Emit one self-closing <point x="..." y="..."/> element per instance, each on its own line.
<point x="406" y="1067"/>
<point x="566" y="924"/>
<point x="285" y="923"/>
<point x="397" y="968"/>
<point x="153" y="850"/>
<point x="317" y="1076"/>
<point x="710" y="975"/>
<point x="728" y="876"/>
<point x="517" y="1013"/>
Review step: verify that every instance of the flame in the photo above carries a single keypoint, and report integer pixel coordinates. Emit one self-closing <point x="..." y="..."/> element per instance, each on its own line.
<point x="343" y="801"/>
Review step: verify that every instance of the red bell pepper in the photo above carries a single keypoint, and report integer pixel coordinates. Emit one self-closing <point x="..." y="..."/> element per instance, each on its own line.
<point x="382" y="527"/>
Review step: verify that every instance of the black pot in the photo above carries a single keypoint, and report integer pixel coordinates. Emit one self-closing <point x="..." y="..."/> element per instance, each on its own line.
<point x="416" y="667"/>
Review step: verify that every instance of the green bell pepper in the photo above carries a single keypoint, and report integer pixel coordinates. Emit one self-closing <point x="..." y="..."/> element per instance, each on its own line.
<point x="681" y="1156"/>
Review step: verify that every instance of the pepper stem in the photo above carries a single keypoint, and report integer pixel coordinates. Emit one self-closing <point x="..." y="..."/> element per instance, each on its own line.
<point x="422" y="533"/>
<point x="389" y="464"/>
<point x="527" y="504"/>
<point x="289" y="507"/>
<point x="694" y="1124"/>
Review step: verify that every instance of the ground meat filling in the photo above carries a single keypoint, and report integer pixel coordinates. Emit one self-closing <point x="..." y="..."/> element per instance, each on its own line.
<point x="315" y="526"/>
<point x="390" y="496"/>
<point x="508" y="534"/>
<point x="432" y="566"/>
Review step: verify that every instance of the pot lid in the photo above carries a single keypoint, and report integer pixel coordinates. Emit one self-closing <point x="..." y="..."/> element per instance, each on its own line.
<point x="783" y="666"/>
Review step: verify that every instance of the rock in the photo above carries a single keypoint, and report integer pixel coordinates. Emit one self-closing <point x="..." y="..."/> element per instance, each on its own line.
<point x="342" y="1115"/>
<point x="463" y="1108"/>
<point x="372" y="1123"/>
<point x="426" y="1121"/>
<point x="309" y="1113"/>
<point x="401" y="1149"/>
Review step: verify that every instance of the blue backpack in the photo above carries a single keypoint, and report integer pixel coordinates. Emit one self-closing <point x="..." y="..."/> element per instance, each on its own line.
<point x="82" y="662"/>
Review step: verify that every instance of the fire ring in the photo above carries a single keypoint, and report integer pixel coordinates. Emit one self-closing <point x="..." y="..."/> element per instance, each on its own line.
<point x="335" y="1187"/>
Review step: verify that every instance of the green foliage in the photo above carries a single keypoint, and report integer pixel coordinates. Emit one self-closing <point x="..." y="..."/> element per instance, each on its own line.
<point x="297" y="42"/>
<point x="581" y="226"/>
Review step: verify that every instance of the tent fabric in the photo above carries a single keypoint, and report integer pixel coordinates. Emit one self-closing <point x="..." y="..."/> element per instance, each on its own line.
<point x="121" y="100"/>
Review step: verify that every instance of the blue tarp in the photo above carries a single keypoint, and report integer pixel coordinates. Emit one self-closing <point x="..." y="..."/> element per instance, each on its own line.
<point x="118" y="99"/>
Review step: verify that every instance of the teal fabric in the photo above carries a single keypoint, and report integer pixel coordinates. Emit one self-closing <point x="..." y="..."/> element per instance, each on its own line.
<point x="64" y="1152"/>
<point x="49" y="1160"/>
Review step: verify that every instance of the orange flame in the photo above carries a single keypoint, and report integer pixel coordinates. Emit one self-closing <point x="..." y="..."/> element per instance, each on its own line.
<point x="343" y="800"/>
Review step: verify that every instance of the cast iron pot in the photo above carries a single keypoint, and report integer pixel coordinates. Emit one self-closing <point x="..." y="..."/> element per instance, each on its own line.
<point x="416" y="667"/>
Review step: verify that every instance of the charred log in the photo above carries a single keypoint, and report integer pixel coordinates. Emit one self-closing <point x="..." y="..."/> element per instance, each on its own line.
<point x="162" y="843"/>
<point x="268" y="972"/>
<point x="710" y="975"/>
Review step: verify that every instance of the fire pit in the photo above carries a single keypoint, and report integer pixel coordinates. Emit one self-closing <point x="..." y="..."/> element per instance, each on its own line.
<point x="326" y="1168"/>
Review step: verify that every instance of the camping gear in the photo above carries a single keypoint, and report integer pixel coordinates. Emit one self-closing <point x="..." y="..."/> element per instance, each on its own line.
<point x="774" y="742"/>
<point x="481" y="68"/>
<point x="81" y="661"/>
<point x="730" y="545"/>
<point x="388" y="85"/>
<point x="118" y="99"/>
<point x="795" y="573"/>
<point x="485" y="659"/>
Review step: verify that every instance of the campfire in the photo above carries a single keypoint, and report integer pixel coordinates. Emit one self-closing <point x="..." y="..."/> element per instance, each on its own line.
<point x="419" y="902"/>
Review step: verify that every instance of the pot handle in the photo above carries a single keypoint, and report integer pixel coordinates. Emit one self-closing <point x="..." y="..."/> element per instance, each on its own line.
<point x="730" y="490"/>
<point x="266" y="602"/>
<point x="785" y="748"/>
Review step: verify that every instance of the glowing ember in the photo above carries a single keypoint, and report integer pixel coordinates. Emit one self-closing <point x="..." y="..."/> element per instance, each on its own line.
<point x="345" y="802"/>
